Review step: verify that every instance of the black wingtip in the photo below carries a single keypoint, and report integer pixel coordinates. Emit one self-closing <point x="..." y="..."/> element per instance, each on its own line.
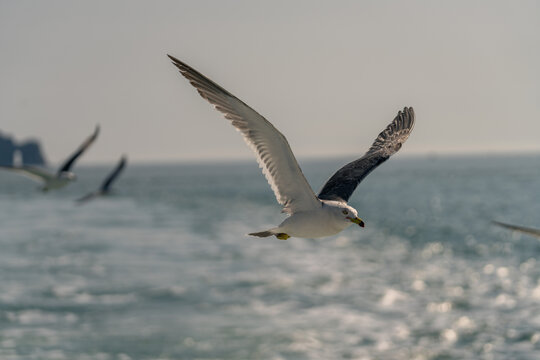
<point x="408" y="111"/>
<point x="123" y="160"/>
<point x="94" y="136"/>
<point x="175" y="61"/>
<point x="407" y="117"/>
<point x="504" y="225"/>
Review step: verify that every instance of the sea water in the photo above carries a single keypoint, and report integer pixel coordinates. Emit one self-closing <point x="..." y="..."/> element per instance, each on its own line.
<point x="162" y="268"/>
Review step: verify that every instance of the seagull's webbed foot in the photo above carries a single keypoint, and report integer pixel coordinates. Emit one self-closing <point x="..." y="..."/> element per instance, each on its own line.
<point x="282" y="236"/>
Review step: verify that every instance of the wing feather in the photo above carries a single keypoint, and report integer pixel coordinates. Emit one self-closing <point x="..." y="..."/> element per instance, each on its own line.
<point x="113" y="175"/>
<point x="32" y="172"/>
<point x="273" y="152"/>
<point x="88" y="197"/>
<point x="343" y="183"/>
<point x="80" y="150"/>
<point x="523" y="229"/>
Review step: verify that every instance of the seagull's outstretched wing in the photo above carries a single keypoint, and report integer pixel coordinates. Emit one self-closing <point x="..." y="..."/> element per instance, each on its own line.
<point x="113" y="175"/>
<point x="343" y="183"/>
<point x="273" y="152"/>
<point x="88" y="197"/>
<point x="32" y="172"/>
<point x="525" y="230"/>
<point x="85" y="145"/>
<point x="104" y="188"/>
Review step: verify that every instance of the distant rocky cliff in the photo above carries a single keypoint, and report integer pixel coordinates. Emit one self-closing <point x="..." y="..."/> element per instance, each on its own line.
<point x="29" y="151"/>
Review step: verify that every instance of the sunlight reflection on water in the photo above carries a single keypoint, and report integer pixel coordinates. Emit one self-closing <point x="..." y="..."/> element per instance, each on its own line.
<point x="163" y="269"/>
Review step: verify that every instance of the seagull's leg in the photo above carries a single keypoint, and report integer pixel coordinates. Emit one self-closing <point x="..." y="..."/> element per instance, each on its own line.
<point x="282" y="236"/>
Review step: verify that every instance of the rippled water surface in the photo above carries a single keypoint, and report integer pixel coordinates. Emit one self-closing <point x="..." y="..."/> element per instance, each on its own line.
<point x="162" y="269"/>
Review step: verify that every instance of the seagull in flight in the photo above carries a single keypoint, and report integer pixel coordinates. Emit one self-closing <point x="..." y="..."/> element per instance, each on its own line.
<point x="522" y="229"/>
<point x="310" y="216"/>
<point x="104" y="189"/>
<point x="63" y="176"/>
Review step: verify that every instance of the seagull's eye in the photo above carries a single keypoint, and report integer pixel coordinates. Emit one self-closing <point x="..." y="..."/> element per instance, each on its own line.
<point x="345" y="212"/>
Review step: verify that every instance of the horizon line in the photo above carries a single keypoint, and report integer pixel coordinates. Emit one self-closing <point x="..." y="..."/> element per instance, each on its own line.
<point x="419" y="154"/>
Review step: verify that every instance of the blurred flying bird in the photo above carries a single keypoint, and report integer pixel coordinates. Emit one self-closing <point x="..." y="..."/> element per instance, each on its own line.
<point x="105" y="187"/>
<point x="310" y="216"/>
<point x="63" y="176"/>
<point x="522" y="229"/>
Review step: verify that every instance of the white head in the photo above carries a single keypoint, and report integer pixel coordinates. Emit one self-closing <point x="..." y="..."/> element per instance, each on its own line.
<point x="345" y="212"/>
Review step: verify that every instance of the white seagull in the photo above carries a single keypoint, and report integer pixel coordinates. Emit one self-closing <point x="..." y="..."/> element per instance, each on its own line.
<point x="105" y="187"/>
<point x="63" y="176"/>
<point x="310" y="216"/>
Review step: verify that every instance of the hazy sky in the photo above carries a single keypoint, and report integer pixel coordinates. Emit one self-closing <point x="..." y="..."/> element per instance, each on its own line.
<point x="330" y="75"/>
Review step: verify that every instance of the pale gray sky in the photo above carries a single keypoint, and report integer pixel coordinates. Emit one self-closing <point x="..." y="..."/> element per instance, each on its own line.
<point x="333" y="69"/>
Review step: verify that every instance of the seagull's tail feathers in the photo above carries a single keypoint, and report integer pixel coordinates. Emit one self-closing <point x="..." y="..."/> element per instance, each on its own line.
<point x="275" y="232"/>
<point x="263" y="233"/>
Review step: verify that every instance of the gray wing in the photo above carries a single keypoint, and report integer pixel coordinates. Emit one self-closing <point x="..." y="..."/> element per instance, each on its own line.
<point x="88" y="197"/>
<point x="343" y="183"/>
<point x="273" y="152"/>
<point x="523" y="229"/>
<point x="82" y="148"/>
<point x="32" y="172"/>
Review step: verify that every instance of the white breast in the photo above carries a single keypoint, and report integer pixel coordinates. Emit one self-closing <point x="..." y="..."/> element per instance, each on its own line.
<point x="313" y="224"/>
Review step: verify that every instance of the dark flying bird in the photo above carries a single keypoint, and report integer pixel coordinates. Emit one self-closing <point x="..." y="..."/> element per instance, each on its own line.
<point x="310" y="216"/>
<point x="63" y="176"/>
<point x="105" y="187"/>
<point x="522" y="229"/>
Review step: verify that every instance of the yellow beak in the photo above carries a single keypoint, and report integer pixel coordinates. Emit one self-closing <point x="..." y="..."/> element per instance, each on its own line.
<point x="357" y="220"/>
